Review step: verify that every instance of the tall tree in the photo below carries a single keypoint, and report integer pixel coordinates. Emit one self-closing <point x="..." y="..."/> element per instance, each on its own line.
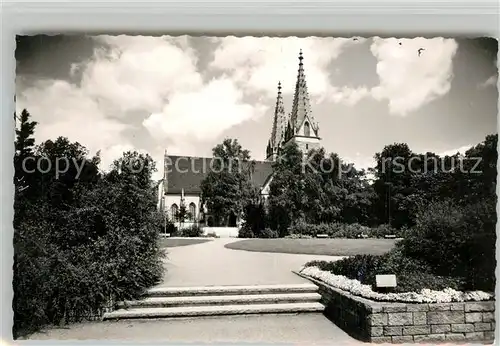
<point x="227" y="188"/>
<point x="24" y="146"/>
<point x="286" y="192"/>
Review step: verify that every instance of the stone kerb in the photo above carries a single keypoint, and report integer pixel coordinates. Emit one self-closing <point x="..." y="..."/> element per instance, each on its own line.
<point x="388" y="322"/>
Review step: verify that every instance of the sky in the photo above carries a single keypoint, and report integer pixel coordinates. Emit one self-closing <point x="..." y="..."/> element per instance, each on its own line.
<point x="186" y="94"/>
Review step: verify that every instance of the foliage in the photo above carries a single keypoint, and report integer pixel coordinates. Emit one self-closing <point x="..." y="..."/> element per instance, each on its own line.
<point x="411" y="275"/>
<point x="457" y="240"/>
<point x="407" y="182"/>
<point x="245" y="232"/>
<point x="227" y="189"/>
<point x="255" y="218"/>
<point x="82" y="238"/>
<point x="318" y="189"/>
<point x="286" y="190"/>
<point x="298" y="236"/>
<point x="341" y="230"/>
<point x="191" y="231"/>
<point x="268" y="233"/>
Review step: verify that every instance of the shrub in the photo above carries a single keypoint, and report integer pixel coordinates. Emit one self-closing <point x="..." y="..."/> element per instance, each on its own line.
<point x="80" y="245"/>
<point x="268" y="233"/>
<point x="298" y="236"/>
<point x="245" y="232"/>
<point x="411" y="275"/>
<point x="382" y="230"/>
<point x="457" y="240"/>
<point x="192" y="231"/>
<point x="333" y="230"/>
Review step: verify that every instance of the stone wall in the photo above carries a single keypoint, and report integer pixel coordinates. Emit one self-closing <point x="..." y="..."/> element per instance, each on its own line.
<point x="385" y="322"/>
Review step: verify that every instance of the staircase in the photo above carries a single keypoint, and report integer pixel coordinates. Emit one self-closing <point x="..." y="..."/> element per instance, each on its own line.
<point x="220" y="300"/>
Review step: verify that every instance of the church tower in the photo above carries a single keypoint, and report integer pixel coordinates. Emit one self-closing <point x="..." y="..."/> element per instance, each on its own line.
<point x="301" y="127"/>
<point x="278" y="129"/>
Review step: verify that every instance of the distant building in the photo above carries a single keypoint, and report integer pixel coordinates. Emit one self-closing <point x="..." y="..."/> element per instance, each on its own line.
<point x="182" y="177"/>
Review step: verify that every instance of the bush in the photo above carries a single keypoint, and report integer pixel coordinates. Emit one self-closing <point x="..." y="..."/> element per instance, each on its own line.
<point x="298" y="236"/>
<point x="79" y="245"/>
<point x="382" y="230"/>
<point x="457" y="240"/>
<point x="333" y="230"/>
<point x="245" y="232"/>
<point x="268" y="233"/>
<point x="411" y="275"/>
<point x="192" y="231"/>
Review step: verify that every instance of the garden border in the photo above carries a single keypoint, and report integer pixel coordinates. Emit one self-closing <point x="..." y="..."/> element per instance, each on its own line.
<point x="392" y="322"/>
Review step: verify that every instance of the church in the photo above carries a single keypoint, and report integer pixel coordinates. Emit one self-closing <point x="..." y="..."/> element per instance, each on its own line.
<point x="182" y="176"/>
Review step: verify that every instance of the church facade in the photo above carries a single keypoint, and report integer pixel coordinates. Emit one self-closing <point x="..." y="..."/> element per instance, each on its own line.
<point x="182" y="176"/>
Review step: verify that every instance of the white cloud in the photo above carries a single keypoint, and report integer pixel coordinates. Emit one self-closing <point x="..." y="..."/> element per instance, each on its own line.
<point x="139" y="72"/>
<point x="409" y="80"/>
<point x="460" y="150"/>
<point x="256" y="64"/>
<point x="62" y="109"/>
<point x="491" y="81"/>
<point x="157" y="75"/>
<point x="203" y="114"/>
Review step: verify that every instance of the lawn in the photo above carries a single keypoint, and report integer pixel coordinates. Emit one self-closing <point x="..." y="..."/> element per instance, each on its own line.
<point x="330" y="247"/>
<point x="174" y="242"/>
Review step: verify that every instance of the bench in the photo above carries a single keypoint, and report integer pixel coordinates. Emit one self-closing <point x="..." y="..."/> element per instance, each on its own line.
<point x="322" y="236"/>
<point x="165" y="235"/>
<point x="390" y="236"/>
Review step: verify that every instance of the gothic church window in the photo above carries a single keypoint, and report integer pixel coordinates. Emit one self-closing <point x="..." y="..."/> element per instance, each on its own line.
<point x="192" y="211"/>
<point x="307" y="129"/>
<point x="174" y="211"/>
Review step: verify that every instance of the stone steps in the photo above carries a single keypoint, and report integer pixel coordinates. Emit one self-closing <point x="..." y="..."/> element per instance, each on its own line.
<point x="220" y="300"/>
<point x="230" y="290"/>
<point x="215" y="310"/>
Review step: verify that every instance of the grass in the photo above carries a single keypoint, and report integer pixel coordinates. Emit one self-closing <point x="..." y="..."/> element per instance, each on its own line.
<point x="329" y="247"/>
<point x="174" y="242"/>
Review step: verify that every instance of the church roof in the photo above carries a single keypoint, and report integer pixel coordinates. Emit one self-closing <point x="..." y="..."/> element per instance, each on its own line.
<point x="187" y="172"/>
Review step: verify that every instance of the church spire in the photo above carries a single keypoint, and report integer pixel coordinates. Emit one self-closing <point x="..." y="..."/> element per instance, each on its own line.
<point x="278" y="122"/>
<point x="301" y="107"/>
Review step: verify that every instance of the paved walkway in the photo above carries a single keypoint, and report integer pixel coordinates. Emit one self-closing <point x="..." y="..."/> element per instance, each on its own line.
<point x="301" y="329"/>
<point x="211" y="263"/>
<point x="208" y="264"/>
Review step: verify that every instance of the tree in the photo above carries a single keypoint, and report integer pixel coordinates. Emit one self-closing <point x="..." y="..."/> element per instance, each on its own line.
<point x="24" y="146"/>
<point x="227" y="187"/>
<point x="286" y="193"/>
<point x="81" y="236"/>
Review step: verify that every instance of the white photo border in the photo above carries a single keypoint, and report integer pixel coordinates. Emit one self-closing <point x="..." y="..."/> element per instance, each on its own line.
<point x="239" y="18"/>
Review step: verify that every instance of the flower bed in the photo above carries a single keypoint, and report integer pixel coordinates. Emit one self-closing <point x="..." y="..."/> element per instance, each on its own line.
<point x="424" y="296"/>
<point x="430" y="316"/>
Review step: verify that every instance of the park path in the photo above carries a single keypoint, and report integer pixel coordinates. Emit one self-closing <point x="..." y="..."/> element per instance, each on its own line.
<point x="210" y="263"/>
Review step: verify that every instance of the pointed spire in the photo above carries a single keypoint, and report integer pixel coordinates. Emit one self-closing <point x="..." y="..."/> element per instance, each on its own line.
<point x="278" y="121"/>
<point x="301" y="108"/>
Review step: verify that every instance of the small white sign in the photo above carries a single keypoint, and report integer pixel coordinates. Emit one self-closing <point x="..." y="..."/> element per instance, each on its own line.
<point x="386" y="280"/>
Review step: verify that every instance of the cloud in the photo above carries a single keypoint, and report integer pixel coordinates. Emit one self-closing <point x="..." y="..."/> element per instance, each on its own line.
<point x="203" y="114"/>
<point x="139" y="72"/>
<point x="491" y="81"/>
<point x="256" y="64"/>
<point x="452" y="152"/>
<point x="409" y="80"/>
<point x="63" y="109"/>
<point x="126" y="74"/>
